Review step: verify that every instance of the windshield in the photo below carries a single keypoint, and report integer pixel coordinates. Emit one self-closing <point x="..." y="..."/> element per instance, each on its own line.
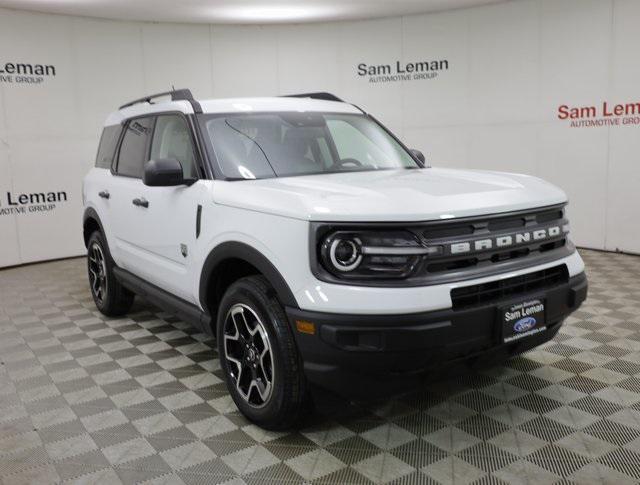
<point x="263" y="145"/>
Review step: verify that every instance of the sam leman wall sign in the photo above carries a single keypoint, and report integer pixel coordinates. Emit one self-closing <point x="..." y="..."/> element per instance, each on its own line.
<point x="16" y="204"/>
<point x="25" y="73"/>
<point x="401" y="71"/>
<point x="605" y="114"/>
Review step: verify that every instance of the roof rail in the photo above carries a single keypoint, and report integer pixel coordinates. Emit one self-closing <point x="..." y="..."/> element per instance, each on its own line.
<point x="319" y="95"/>
<point x="176" y="95"/>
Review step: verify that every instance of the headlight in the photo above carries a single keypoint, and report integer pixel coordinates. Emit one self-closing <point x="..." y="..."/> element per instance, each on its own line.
<point x="345" y="254"/>
<point x="372" y="254"/>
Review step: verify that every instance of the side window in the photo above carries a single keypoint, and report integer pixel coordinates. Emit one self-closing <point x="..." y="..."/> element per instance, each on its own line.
<point x="172" y="139"/>
<point x="133" y="149"/>
<point x="107" y="147"/>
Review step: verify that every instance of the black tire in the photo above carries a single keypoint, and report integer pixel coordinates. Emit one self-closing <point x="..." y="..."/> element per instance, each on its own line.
<point x="110" y="297"/>
<point x="287" y="397"/>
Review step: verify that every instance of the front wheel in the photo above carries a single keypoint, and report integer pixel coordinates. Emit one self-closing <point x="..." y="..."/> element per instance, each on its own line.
<point x="258" y="355"/>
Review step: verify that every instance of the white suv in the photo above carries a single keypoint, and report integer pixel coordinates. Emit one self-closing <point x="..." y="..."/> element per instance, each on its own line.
<point x="317" y="248"/>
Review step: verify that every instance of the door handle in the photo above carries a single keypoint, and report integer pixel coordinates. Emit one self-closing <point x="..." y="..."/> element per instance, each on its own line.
<point x="104" y="194"/>
<point x="140" y="202"/>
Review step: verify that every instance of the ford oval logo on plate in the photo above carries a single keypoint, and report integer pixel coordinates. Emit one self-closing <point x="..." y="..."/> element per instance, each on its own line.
<point x="524" y="324"/>
<point x="522" y="320"/>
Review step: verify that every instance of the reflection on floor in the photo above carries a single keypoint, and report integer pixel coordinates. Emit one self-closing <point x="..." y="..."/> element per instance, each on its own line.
<point x="99" y="400"/>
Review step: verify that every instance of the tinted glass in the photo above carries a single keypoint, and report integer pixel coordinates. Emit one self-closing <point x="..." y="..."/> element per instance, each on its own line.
<point x="107" y="147"/>
<point x="133" y="148"/>
<point x="172" y="139"/>
<point x="249" y="146"/>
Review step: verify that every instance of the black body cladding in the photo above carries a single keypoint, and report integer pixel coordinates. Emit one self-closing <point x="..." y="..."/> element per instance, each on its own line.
<point x="364" y="356"/>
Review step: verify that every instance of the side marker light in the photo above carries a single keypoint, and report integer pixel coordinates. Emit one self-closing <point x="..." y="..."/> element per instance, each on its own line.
<point x="306" y="327"/>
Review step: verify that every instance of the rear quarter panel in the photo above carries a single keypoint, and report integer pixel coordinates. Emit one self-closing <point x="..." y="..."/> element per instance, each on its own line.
<point x="96" y="180"/>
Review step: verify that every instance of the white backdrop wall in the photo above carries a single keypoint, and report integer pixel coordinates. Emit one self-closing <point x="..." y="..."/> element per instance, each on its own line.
<point x="510" y="66"/>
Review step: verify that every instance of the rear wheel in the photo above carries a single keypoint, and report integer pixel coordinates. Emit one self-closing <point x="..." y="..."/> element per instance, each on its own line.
<point x="110" y="297"/>
<point x="258" y="355"/>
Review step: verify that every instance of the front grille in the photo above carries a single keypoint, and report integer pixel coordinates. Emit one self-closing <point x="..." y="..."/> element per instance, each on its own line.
<point x="486" y="233"/>
<point x="469" y="296"/>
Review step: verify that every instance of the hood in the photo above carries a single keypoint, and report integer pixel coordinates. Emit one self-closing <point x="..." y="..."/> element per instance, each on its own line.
<point x="390" y="195"/>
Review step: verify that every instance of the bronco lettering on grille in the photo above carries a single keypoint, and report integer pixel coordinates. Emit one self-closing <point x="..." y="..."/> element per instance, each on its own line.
<point x="505" y="241"/>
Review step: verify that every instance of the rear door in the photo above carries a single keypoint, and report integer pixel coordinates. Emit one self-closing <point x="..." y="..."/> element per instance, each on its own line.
<point x="126" y="194"/>
<point x="98" y="182"/>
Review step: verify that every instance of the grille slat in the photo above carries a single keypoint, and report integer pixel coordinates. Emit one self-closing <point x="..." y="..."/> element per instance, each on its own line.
<point x="485" y="293"/>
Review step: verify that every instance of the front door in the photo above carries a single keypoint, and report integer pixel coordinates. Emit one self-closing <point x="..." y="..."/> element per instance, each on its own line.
<point x="165" y="233"/>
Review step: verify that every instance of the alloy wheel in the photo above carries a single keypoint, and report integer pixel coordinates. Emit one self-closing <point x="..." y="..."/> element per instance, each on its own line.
<point x="97" y="272"/>
<point x="249" y="355"/>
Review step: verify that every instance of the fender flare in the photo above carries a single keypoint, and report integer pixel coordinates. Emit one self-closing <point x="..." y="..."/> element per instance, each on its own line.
<point x="90" y="213"/>
<point x="234" y="249"/>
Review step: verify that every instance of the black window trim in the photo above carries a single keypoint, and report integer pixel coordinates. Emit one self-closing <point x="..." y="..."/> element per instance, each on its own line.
<point x="205" y="165"/>
<point x="147" y="148"/>
<point x="196" y="145"/>
<point x="116" y="154"/>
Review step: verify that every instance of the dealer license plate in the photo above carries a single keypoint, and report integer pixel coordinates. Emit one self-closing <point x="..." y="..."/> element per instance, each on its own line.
<point x="522" y="320"/>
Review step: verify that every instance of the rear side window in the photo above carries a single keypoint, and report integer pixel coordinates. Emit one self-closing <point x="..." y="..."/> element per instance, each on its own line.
<point x="133" y="149"/>
<point x="107" y="147"/>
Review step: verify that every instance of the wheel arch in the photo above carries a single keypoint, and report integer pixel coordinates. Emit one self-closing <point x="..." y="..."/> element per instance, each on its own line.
<point x="91" y="222"/>
<point x="240" y="254"/>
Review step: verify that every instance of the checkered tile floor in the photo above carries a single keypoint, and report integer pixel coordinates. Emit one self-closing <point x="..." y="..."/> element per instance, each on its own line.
<point x="140" y="399"/>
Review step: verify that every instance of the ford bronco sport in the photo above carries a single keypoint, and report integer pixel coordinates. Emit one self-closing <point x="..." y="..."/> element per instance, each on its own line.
<point x="317" y="248"/>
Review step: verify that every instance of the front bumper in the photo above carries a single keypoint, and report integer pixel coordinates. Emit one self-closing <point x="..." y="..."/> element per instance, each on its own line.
<point x="379" y="355"/>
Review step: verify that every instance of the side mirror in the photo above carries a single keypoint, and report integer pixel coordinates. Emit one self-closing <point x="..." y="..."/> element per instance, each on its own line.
<point x="418" y="154"/>
<point x="163" y="172"/>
